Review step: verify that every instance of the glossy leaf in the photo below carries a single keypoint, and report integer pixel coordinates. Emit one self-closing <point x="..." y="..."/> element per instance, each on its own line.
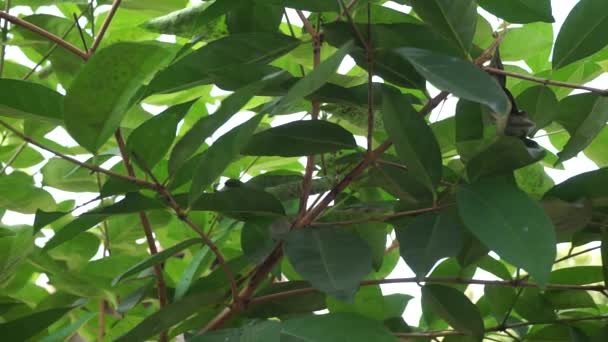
<point x="413" y="139"/>
<point x="105" y="88"/>
<point x="520" y="11"/>
<point x="582" y="33"/>
<point x="300" y="138"/>
<point x="447" y="73"/>
<point x="15" y="101"/>
<point x="507" y="221"/>
<point x="334" y="261"/>
<point x="217" y="157"/>
<point x="455" y="308"/>
<point x="455" y="20"/>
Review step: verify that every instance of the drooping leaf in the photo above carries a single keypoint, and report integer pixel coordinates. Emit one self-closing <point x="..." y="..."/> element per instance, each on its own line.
<point x="427" y="239"/>
<point x="149" y="142"/>
<point x="197" y="67"/>
<point x="16" y="101"/>
<point x="217" y="157"/>
<point x="520" y="11"/>
<point x="300" y="138"/>
<point x="333" y="260"/>
<point x="447" y="73"/>
<point x="455" y="308"/>
<point x="105" y="88"/>
<point x="155" y="259"/>
<point x="455" y="20"/>
<point x="508" y="222"/>
<point x="313" y="80"/>
<point x="583" y="128"/>
<point x="414" y="141"/>
<point x="582" y="33"/>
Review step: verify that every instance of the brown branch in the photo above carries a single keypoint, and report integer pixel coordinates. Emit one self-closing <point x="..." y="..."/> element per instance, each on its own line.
<point x="104" y="27"/>
<point x="46" y="34"/>
<point x="101" y="320"/>
<point x="545" y="82"/>
<point x="460" y="281"/>
<point x="349" y="17"/>
<point x="94" y="168"/>
<point x="147" y="226"/>
<point x="307" y="25"/>
<point x="183" y="216"/>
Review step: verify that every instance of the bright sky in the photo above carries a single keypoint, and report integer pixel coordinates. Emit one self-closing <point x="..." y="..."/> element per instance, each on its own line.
<point x="577" y="165"/>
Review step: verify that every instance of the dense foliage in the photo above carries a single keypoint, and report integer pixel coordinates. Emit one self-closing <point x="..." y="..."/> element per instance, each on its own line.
<point x="275" y="227"/>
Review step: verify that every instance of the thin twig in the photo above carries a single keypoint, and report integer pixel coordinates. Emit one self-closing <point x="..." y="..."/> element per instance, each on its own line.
<point x="149" y="234"/>
<point x="104" y="27"/>
<point x="378" y="218"/>
<point x="183" y="216"/>
<point x="293" y="34"/>
<point x="307" y="25"/>
<point x="84" y="42"/>
<point x="570" y="256"/>
<point x="370" y="74"/>
<point x="354" y="26"/>
<point x="546" y="82"/>
<point x="94" y="168"/>
<point x="46" y="34"/>
<point x="12" y="159"/>
<point x="4" y="40"/>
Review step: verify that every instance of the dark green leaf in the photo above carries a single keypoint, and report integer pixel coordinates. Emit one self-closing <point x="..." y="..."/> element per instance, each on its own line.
<point x="520" y="11"/>
<point x="507" y="221"/>
<point x="533" y="306"/>
<point x="447" y="73"/>
<point x="582" y="33"/>
<point x="454" y="19"/>
<point x="149" y="142"/>
<point x="414" y="141"/>
<point x="578" y="275"/>
<point x="155" y="259"/>
<point x="300" y="138"/>
<point x="16" y="101"/>
<point x="335" y="327"/>
<point x="105" y="88"/>
<point x="455" y="308"/>
<point x="65" y="332"/>
<point x="333" y="260"/>
<point x="291" y="305"/>
<point x="586" y="185"/>
<point x="427" y="239"/>
<point x="23" y="328"/>
<point x="541" y="105"/>
<point x="217" y="157"/>
<point x="80" y="224"/>
<point x="241" y="200"/>
<point x="254" y="16"/>
<point x="182" y="286"/>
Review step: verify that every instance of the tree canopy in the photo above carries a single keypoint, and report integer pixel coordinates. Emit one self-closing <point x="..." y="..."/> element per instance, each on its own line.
<point x="191" y="206"/>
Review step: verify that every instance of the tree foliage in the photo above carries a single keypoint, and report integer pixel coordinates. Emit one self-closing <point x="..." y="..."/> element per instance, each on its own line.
<point x="218" y="218"/>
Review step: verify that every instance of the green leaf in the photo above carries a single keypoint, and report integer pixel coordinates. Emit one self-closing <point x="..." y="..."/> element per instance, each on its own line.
<point x="582" y="34"/>
<point x="500" y="299"/>
<point x="300" y="138"/>
<point x="254" y="16"/>
<point x="257" y="331"/>
<point x="427" y="239"/>
<point x="508" y="222"/>
<point x="16" y="101"/>
<point x="456" y="20"/>
<point x="578" y="275"/>
<point x="204" y="127"/>
<point x="586" y="185"/>
<point x="455" y="308"/>
<point x="591" y="116"/>
<point x="333" y="260"/>
<point x="149" y="142"/>
<point x="217" y="157"/>
<point x="335" y="327"/>
<point x="533" y="306"/>
<point x="155" y="259"/>
<point x="182" y="286"/>
<point x="541" y="105"/>
<point x="22" y="156"/>
<point x="18" y="193"/>
<point x="413" y="139"/>
<point x="15" y="248"/>
<point x="604" y="250"/>
<point x="520" y="11"/>
<point x="284" y="307"/>
<point x="447" y="73"/>
<point x="313" y="80"/>
<point x="105" y="88"/>
<point x="65" y="332"/>
<point x="171" y="315"/>
<point x="240" y="200"/>
<point x="223" y="54"/>
<point x="64" y="175"/>
<point x="80" y="224"/>
<point x="21" y="329"/>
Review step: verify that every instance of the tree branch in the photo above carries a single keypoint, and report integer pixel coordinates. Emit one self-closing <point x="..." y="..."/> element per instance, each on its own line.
<point x="94" y="168"/>
<point x="147" y="226"/>
<point x="545" y="82"/>
<point x="104" y="27"/>
<point x="46" y="34"/>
